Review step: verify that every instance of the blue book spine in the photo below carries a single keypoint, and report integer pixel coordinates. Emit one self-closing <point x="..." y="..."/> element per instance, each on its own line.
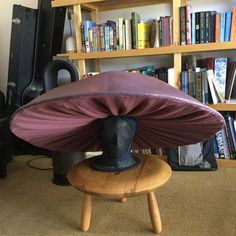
<point x="228" y="17"/>
<point x="222" y="27"/>
<point x="87" y="27"/>
<point x="184" y="82"/>
<point x="193" y="23"/>
<point x="107" y="37"/>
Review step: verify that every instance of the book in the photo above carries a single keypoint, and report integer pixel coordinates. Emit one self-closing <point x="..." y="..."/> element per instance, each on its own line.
<point x="228" y="16"/>
<point x="135" y="19"/>
<point x="217" y="27"/>
<point x="212" y="26"/>
<point x="220" y="144"/>
<point x="198" y="85"/>
<point x="222" y="27"/>
<point x="233" y="25"/>
<point x="197" y="27"/>
<point x="207" y="25"/>
<point x="231" y="81"/>
<point x="182" y="14"/>
<point x="193" y="27"/>
<point x="87" y="26"/>
<point x="184" y="81"/>
<point x="229" y="135"/>
<point x="191" y="82"/>
<point x="171" y="78"/>
<point x="214" y="96"/>
<point x="101" y="37"/>
<point x="154" y="34"/>
<point x="202" y="27"/>
<point x="113" y="34"/>
<point x="188" y="24"/>
<point x="121" y="36"/>
<point x="128" y="39"/>
<point x="220" y="76"/>
<point x="143" y="34"/>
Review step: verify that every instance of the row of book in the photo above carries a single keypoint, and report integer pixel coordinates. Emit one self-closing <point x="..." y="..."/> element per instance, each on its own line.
<point x="125" y="34"/>
<point x="212" y="81"/>
<point x="225" y="139"/>
<point x="206" y="26"/>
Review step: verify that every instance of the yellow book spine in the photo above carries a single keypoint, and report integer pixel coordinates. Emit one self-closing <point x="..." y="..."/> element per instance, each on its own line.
<point x="143" y="30"/>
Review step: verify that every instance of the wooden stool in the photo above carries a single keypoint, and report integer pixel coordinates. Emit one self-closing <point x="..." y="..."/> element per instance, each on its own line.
<point x="143" y="179"/>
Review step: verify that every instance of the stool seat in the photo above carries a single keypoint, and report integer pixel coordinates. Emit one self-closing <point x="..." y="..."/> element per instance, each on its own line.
<point x="151" y="173"/>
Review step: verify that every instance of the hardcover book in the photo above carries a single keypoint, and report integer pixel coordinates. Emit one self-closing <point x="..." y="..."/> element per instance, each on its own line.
<point x="220" y="75"/>
<point x="135" y="19"/>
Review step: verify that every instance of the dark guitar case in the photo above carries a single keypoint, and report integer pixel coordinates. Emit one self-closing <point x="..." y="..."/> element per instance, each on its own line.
<point x="49" y="35"/>
<point x="21" y="58"/>
<point x="36" y="36"/>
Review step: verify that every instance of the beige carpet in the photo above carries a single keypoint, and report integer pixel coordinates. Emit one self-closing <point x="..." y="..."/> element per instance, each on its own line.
<point x="191" y="203"/>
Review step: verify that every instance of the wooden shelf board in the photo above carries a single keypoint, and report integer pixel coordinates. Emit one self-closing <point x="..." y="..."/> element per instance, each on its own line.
<point x="105" y="5"/>
<point x="228" y="163"/>
<point x="223" y="107"/>
<point x="122" y="53"/>
<point x="205" y="47"/>
<point x="155" y="51"/>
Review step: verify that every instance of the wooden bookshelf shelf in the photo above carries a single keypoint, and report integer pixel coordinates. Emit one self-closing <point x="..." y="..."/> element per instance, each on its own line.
<point x="153" y="51"/>
<point x="205" y="47"/>
<point x="223" y="107"/>
<point x="228" y="163"/>
<point x="105" y="5"/>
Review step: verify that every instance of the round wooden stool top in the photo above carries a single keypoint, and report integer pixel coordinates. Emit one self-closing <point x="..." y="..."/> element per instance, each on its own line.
<point x="151" y="173"/>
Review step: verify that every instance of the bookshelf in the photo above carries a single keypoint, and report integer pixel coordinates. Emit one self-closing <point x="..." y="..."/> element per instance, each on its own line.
<point x="176" y="50"/>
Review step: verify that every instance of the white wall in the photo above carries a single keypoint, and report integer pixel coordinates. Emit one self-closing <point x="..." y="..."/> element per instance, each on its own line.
<point x="5" y="27"/>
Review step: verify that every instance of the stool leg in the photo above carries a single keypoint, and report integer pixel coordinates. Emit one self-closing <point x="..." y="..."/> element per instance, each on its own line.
<point x="154" y="212"/>
<point x="86" y="212"/>
<point x="123" y="199"/>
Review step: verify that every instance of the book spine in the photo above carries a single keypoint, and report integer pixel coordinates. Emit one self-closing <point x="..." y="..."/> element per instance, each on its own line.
<point x="212" y="26"/>
<point x="182" y="12"/>
<point x="121" y="33"/>
<point x="107" y="37"/>
<point x="135" y="19"/>
<point x="220" y="74"/>
<point x="166" y="34"/>
<point x="128" y="41"/>
<point x="198" y="84"/>
<point x="220" y="144"/>
<point x="233" y="25"/>
<point x="193" y="26"/>
<point x="191" y="81"/>
<point x="228" y="16"/>
<point x="207" y="24"/>
<point x="184" y="82"/>
<point x="232" y="128"/>
<point x="101" y="37"/>
<point x="197" y="26"/>
<point x="222" y="27"/>
<point x="202" y="27"/>
<point x="210" y="76"/>
<point x="142" y="35"/>
<point x="217" y="27"/>
<point x="188" y="24"/>
<point x="82" y="38"/>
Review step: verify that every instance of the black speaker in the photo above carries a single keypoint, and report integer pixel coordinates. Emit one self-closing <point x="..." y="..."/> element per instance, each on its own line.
<point x="21" y="56"/>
